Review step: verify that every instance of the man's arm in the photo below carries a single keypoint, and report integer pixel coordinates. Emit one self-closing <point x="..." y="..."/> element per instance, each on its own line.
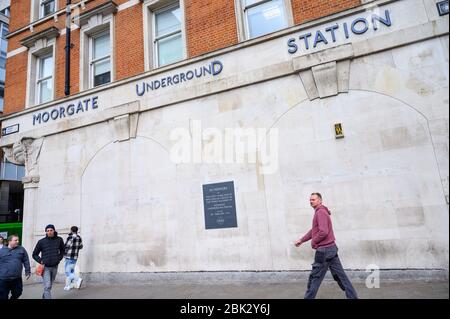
<point x="26" y="263"/>
<point x="67" y="245"/>
<point x="304" y="239"/>
<point x="307" y="237"/>
<point x="67" y="241"/>
<point x="36" y="252"/>
<point x="322" y="222"/>
<point x="61" y="248"/>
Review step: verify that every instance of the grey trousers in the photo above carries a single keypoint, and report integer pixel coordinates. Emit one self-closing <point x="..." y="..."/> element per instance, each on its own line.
<point x="328" y="258"/>
<point x="49" y="277"/>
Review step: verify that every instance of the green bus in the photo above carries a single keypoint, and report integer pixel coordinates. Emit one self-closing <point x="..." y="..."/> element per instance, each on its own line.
<point x="7" y="229"/>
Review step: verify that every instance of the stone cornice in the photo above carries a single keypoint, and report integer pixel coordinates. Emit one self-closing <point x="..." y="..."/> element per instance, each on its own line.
<point x="104" y="9"/>
<point x="49" y="33"/>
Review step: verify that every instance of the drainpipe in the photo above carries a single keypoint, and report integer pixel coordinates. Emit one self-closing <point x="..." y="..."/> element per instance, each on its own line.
<point x="68" y="47"/>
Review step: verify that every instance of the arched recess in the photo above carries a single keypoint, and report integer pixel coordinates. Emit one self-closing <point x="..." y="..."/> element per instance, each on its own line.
<point x="381" y="180"/>
<point x="126" y="208"/>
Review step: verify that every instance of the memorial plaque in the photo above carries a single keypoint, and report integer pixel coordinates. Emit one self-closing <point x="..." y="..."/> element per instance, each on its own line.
<point x="220" y="205"/>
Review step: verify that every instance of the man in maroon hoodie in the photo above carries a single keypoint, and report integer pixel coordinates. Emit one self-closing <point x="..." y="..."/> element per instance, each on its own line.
<point x="322" y="240"/>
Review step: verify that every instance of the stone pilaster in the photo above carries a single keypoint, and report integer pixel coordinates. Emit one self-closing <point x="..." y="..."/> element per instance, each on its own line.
<point x="26" y="152"/>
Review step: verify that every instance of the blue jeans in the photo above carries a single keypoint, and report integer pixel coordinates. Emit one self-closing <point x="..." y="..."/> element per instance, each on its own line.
<point x="49" y="277"/>
<point x="328" y="258"/>
<point x="69" y="269"/>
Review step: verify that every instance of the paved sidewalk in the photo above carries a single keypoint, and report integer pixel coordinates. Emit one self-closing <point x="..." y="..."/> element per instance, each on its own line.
<point x="328" y="290"/>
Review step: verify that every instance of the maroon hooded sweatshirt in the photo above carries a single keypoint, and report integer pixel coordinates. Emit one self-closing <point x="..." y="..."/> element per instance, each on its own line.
<point x="322" y="229"/>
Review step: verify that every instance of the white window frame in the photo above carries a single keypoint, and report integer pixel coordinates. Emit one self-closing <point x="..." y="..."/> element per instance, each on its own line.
<point x="242" y="18"/>
<point x="40" y="80"/>
<point x="41" y="48"/>
<point x="166" y="36"/>
<point x="150" y="8"/>
<point x="96" y="26"/>
<point x="41" y="8"/>
<point x="92" y="62"/>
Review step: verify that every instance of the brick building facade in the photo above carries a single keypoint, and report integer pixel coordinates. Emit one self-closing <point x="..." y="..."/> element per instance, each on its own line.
<point x="207" y="25"/>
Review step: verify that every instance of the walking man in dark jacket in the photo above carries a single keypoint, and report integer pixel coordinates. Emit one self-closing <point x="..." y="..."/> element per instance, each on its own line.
<point x="51" y="248"/>
<point x="12" y="257"/>
<point x="326" y="251"/>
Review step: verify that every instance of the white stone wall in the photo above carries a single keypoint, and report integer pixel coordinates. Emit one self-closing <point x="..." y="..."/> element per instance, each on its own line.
<point x="139" y="212"/>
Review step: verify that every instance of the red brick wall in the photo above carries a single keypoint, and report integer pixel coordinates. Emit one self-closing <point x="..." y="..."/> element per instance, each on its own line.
<point x="62" y="4"/>
<point x="21" y="11"/>
<point x="14" y="43"/>
<point x="129" y="48"/>
<point x="119" y="2"/>
<point x="210" y="25"/>
<point x="60" y="73"/>
<point x="20" y="14"/>
<point x="307" y="10"/>
<point x="15" y="84"/>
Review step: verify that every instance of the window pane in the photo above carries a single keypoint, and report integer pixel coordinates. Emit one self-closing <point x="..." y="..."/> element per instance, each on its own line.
<point x="2" y="61"/>
<point x="101" y="67"/>
<point x="4" y="45"/>
<point x="101" y="46"/>
<point x="4" y="30"/>
<point x="250" y="2"/>
<point x="2" y="64"/>
<point x="168" y="21"/>
<point x="46" y="67"/>
<point x="46" y="91"/>
<point x="266" y="18"/>
<point x="20" y="172"/>
<point x="48" y="7"/>
<point x="102" y="72"/>
<point x="170" y="50"/>
<point x="10" y="171"/>
<point x="2" y="95"/>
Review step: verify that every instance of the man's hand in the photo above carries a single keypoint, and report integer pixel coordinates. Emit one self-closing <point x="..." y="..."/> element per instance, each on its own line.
<point x="28" y="276"/>
<point x="297" y="243"/>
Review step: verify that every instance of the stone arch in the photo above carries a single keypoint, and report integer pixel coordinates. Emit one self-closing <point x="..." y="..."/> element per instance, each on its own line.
<point x="125" y="209"/>
<point x="382" y="180"/>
